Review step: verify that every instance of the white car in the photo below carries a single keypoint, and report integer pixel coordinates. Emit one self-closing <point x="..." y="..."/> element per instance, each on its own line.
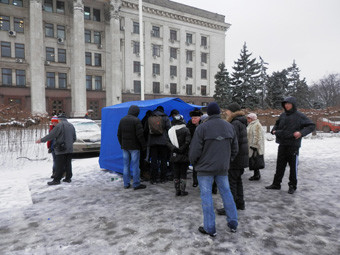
<point x="88" y="135"/>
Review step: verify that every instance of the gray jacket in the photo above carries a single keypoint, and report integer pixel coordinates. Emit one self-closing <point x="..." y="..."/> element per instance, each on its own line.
<point x="213" y="146"/>
<point x="64" y="131"/>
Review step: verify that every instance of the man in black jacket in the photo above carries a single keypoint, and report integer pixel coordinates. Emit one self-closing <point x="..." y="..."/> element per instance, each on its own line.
<point x="131" y="139"/>
<point x="289" y="129"/>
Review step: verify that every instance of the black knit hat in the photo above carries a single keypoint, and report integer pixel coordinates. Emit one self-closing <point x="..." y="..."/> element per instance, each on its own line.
<point x="234" y="107"/>
<point x="213" y="108"/>
<point x="174" y="112"/>
<point x="196" y="112"/>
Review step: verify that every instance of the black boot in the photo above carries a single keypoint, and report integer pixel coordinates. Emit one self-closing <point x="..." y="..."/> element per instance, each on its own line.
<point x="194" y="178"/>
<point x="256" y="176"/>
<point x="183" y="186"/>
<point x="177" y="187"/>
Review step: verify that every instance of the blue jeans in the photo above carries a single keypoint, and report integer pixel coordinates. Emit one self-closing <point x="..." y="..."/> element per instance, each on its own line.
<point x="205" y="184"/>
<point x="131" y="158"/>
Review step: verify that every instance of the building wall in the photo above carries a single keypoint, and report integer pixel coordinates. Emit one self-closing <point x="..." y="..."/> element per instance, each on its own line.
<point x="115" y="73"/>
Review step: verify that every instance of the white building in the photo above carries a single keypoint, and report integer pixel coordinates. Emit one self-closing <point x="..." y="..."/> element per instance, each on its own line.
<point x="74" y="55"/>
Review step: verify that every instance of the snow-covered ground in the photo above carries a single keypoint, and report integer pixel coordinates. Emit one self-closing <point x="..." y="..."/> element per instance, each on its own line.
<point x="94" y="215"/>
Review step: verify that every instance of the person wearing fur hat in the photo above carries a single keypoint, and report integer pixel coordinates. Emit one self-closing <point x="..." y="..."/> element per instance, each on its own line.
<point x="212" y="148"/>
<point x="237" y="118"/>
<point x="255" y="141"/>
<point x="179" y="141"/>
<point x="191" y="125"/>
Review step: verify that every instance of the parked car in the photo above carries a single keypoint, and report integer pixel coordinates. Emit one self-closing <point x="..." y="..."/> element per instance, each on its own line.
<point x="88" y="135"/>
<point x="329" y="124"/>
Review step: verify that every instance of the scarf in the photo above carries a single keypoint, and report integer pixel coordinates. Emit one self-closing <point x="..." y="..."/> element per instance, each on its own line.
<point x="173" y="135"/>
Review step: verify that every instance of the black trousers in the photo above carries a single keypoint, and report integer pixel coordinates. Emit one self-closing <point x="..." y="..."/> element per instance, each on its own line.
<point x="236" y="185"/>
<point x="180" y="170"/>
<point x="63" y="163"/>
<point x="287" y="155"/>
<point x="158" y="153"/>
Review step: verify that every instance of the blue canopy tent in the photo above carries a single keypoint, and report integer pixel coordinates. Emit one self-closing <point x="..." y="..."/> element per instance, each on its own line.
<point x="111" y="156"/>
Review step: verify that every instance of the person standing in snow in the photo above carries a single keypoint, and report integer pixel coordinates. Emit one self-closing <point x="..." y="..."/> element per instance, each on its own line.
<point x="213" y="146"/>
<point x="179" y="141"/>
<point x="131" y="139"/>
<point x="255" y="141"/>
<point x="64" y="135"/>
<point x="50" y="144"/>
<point x="289" y="129"/>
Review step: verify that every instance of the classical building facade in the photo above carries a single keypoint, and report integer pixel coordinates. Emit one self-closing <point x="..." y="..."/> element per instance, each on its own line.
<point x="74" y="55"/>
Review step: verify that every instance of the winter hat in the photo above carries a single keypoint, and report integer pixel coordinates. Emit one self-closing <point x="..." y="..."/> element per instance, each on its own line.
<point x="213" y="108"/>
<point x="234" y="107"/>
<point x="252" y="116"/>
<point x="54" y="119"/>
<point x="196" y="112"/>
<point x="62" y="116"/>
<point x="174" y="112"/>
<point x="178" y="117"/>
<point x="160" y="108"/>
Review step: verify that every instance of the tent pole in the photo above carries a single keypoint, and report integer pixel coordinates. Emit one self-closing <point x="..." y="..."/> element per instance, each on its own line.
<point x="141" y="48"/>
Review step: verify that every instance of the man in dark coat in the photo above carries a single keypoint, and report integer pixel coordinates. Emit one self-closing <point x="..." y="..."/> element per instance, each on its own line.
<point x="212" y="148"/>
<point x="158" y="147"/>
<point x="289" y="129"/>
<point x="237" y="118"/>
<point x="131" y="139"/>
<point x="63" y="135"/>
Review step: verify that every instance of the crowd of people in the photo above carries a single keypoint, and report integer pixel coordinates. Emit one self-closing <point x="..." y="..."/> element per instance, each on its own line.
<point x="160" y="148"/>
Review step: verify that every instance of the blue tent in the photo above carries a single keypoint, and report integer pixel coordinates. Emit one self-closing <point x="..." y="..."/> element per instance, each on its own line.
<point x="111" y="157"/>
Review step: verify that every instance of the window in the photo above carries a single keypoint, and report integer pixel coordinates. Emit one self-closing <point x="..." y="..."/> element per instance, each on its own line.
<point x="87" y="13"/>
<point x="173" y="53"/>
<point x="156" y="69"/>
<point x="89" y="82"/>
<point x="17" y="3"/>
<point x="156" y="50"/>
<point x="98" y="82"/>
<point x="61" y="55"/>
<point x="96" y="15"/>
<point x="20" y="77"/>
<point x="189" y="72"/>
<point x="62" y="80"/>
<point x="204" y="57"/>
<point x="60" y="7"/>
<point x="6" y="76"/>
<point x="97" y="59"/>
<point x="155" y="31"/>
<point x="5" y="49"/>
<point x="88" y="58"/>
<point x="173" y="88"/>
<point x="188" y="39"/>
<point x="189" y="55"/>
<point x="49" y="30"/>
<point x="173" y="70"/>
<point x="18" y="25"/>
<point x="19" y="50"/>
<point x="156" y="87"/>
<point x="135" y="27"/>
<point x="173" y="35"/>
<point x="50" y="54"/>
<point x="204" y="41"/>
<point x="136" y="66"/>
<point x="97" y="38"/>
<point x="136" y="47"/>
<point x="87" y="36"/>
<point x="61" y="32"/>
<point x="50" y="80"/>
<point x="137" y="86"/>
<point x="203" y="90"/>
<point x="4" y="1"/>
<point x="203" y="74"/>
<point x="4" y="23"/>
<point x="189" y="89"/>
<point x="94" y="105"/>
<point x="48" y="5"/>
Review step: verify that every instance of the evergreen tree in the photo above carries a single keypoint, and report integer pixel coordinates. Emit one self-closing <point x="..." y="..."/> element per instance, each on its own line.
<point x="222" y="94"/>
<point x="276" y="89"/>
<point x="245" y="80"/>
<point x="263" y="80"/>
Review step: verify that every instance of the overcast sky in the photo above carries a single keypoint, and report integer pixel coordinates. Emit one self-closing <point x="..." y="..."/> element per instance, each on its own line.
<point x="282" y="30"/>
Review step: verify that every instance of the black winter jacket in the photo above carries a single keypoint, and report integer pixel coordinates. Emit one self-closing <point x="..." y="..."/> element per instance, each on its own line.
<point x="130" y="131"/>
<point x="239" y="122"/>
<point x="290" y="122"/>
<point x="213" y="146"/>
<point x="180" y="154"/>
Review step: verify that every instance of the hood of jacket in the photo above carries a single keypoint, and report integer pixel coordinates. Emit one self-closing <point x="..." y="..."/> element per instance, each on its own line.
<point x="134" y="110"/>
<point x="238" y="115"/>
<point x="291" y="100"/>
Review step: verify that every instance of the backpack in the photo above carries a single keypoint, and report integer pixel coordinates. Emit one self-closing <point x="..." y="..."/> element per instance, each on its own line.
<point x="155" y="125"/>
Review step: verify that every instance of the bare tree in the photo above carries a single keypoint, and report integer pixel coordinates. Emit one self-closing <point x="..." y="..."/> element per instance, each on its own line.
<point x="327" y="91"/>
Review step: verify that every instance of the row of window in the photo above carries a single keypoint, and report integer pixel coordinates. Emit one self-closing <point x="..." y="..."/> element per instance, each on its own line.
<point x="20" y="77"/>
<point x="18" y="3"/>
<point x="6" y="50"/>
<point x="5" y="24"/>
<point x="173" y="88"/>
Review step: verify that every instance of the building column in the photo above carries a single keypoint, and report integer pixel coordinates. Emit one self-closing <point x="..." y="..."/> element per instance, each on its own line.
<point x="114" y="61"/>
<point x="78" y="71"/>
<point x="36" y="55"/>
